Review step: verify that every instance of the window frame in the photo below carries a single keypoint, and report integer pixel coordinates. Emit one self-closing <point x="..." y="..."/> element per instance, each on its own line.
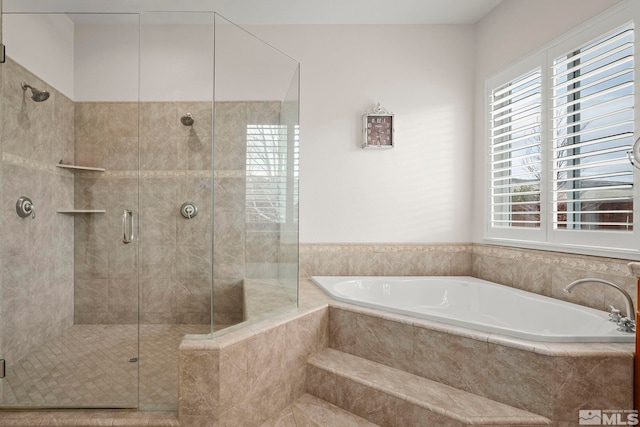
<point x="616" y="243"/>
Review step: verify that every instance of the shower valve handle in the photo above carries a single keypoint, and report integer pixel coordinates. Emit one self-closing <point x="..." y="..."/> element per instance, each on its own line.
<point x="25" y="207"/>
<point x="189" y="210"/>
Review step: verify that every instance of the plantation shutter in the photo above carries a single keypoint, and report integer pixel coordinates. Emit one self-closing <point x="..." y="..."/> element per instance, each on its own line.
<point x="515" y="151"/>
<point x="272" y="173"/>
<point x="266" y="173"/>
<point x="592" y="130"/>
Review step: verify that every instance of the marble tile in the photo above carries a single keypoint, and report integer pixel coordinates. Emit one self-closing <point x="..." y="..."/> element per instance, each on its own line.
<point x="158" y="295"/>
<point x="494" y="269"/>
<point x="193" y="296"/>
<point x="265" y="360"/>
<point x="91" y="295"/>
<point x="159" y="152"/>
<point x="532" y="277"/>
<point x="591" y="382"/>
<point x="258" y="407"/>
<point x="366" y="402"/>
<point x="199" y="383"/>
<point x="321" y="383"/>
<point x="123" y="295"/>
<point x="230" y="118"/>
<point x="193" y="262"/>
<point x="409" y="415"/>
<point x="234" y="375"/>
<point x="122" y="260"/>
<point x="228" y="261"/>
<point x="367" y="263"/>
<point x="195" y="231"/>
<point x="342" y="330"/>
<point x="283" y="419"/>
<point x="521" y="379"/>
<point x="384" y="341"/>
<point x="91" y="119"/>
<point x="157" y="261"/>
<point x="198" y="421"/>
<point x="158" y="119"/>
<point x="457" y="361"/>
<point x="310" y="411"/>
<point x="303" y="338"/>
<point x="230" y="194"/>
<point x="228" y="302"/>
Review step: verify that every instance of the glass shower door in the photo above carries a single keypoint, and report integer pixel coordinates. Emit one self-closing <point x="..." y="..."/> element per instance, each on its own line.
<point x="176" y="192"/>
<point x="69" y="142"/>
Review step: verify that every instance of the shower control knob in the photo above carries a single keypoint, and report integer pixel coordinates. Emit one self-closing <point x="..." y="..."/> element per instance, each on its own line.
<point x="189" y="210"/>
<point x="25" y="207"/>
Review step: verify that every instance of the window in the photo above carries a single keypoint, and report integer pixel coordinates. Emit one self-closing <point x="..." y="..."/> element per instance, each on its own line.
<point x="515" y="152"/>
<point x="560" y="125"/>
<point x="592" y="132"/>
<point x="272" y="174"/>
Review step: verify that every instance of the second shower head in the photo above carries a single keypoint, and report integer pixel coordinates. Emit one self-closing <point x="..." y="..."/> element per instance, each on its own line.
<point x="36" y="94"/>
<point x="187" y="119"/>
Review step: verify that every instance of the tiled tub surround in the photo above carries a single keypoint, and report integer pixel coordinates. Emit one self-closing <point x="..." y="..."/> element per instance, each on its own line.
<point x="541" y="272"/>
<point x="553" y="380"/>
<point x="535" y="382"/>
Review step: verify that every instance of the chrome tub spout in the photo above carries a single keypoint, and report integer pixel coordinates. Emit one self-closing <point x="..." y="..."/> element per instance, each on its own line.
<point x="626" y="323"/>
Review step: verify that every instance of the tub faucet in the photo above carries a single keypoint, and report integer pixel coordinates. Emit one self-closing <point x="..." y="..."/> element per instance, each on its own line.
<point x="625" y="324"/>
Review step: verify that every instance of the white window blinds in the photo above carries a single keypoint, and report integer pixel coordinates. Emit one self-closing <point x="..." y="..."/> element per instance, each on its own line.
<point x="592" y="130"/>
<point x="272" y="171"/>
<point x="515" y="151"/>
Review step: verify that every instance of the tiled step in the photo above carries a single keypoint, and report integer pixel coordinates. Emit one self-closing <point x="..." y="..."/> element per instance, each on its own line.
<point x="391" y="397"/>
<point x="309" y="411"/>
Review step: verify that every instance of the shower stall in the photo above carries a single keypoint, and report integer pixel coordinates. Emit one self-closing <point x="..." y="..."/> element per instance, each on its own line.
<point x="149" y="187"/>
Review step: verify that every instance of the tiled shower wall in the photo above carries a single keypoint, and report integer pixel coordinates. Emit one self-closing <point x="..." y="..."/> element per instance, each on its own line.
<point x="175" y="167"/>
<point x="541" y="272"/>
<point x="240" y="251"/>
<point x="36" y="254"/>
<point x="175" y="253"/>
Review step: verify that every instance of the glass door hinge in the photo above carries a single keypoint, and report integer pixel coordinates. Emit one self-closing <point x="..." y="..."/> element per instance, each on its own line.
<point x="1" y="368"/>
<point x="2" y="56"/>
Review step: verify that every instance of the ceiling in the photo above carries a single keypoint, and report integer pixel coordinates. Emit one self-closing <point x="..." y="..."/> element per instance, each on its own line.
<point x="256" y="12"/>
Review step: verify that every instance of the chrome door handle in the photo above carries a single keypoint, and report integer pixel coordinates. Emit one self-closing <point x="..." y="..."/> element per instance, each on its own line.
<point x="127" y="226"/>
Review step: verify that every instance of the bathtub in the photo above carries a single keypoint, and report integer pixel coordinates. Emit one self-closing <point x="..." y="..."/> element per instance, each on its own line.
<point x="477" y="304"/>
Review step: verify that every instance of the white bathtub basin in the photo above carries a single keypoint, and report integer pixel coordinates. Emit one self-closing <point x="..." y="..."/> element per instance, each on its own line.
<point x="477" y="304"/>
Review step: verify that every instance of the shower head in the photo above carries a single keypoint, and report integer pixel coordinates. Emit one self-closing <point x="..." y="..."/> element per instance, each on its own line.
<point x="36" y="95"/>
<point x="187" y="120"/>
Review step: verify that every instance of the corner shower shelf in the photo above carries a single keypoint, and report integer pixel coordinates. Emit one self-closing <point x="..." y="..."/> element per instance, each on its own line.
<point x="82" y="211"/>
<point x="80" y="168"/>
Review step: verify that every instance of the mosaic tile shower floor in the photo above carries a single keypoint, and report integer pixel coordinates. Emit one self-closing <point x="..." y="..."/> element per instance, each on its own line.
<point x="88" y="366"/>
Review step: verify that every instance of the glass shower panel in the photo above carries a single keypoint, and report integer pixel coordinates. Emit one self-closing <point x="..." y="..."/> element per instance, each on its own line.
<point x="288" y="236"/>
<point x="68" y="294"/>
<point x="176" y="109"/>
<point x="255" y="178"/>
